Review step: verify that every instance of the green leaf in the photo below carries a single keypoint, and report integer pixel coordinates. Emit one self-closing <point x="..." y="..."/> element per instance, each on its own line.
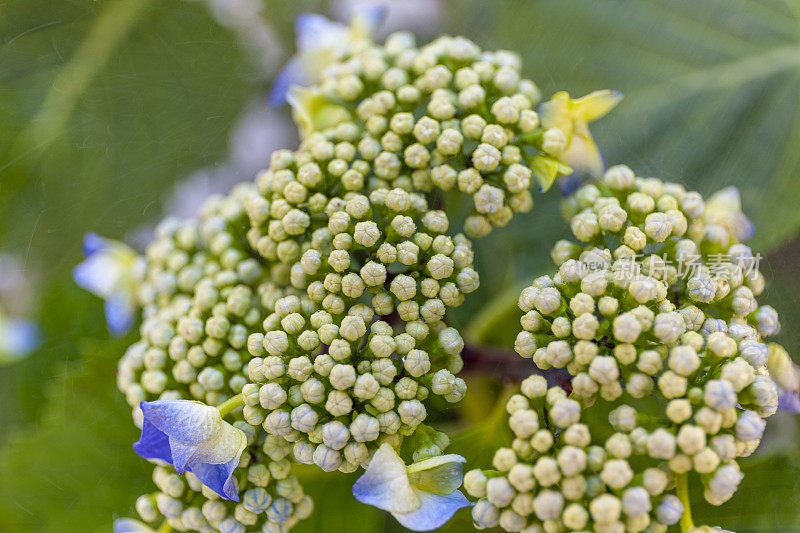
<point x="105" y="105"/>
<point x="74" y="470"/>
<point x="711" y="88"/>
<point x="335" y="508"/>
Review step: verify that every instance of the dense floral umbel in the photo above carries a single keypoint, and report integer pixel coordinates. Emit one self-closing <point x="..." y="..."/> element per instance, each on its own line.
<point x="654" y="309"/>
<point x="558" y="475"/>
<point x="202" y="295"/>
<point x="445" y="116"/>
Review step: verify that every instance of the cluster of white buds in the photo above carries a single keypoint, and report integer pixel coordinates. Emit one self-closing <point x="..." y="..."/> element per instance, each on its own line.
<point x="271" y="498"/>
<point x="385" y="248"/>
<point x="440" y="117"/>
<point x="560" y="476"/>
<point x="668" y="312"/>
<point x="338" y="386"/>
<point x="203" y="295"/>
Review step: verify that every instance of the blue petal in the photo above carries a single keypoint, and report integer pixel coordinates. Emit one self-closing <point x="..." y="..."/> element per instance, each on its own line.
<point x="218" y="478"/>
<point x="434" y="511"/>
<point x="120" y="314"/>
<point x="92" y="242"/>
<point x="153" y="444"/>
<point x="789" y="401"/>
<point x="97" y="274"/>
<point x="385" y="484"/>
<point x="185" y="420"/>
<point x="314" y="30"/>
<point x="572" y="182"/>
<point x="19" y="337"/>
<point x="373" y="16"/>
<point x="293" y="73"/>
<point x="129" y="525"/>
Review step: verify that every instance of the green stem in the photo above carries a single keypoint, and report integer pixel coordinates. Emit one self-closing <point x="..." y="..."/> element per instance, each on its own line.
<point x="164" y="527"/>
<point x="683" y="495"/>
<point x="230" y="404"/>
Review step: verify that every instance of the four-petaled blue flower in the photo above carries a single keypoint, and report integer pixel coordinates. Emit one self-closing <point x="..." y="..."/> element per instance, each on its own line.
<point x="320" y="42"/>
<point x="422" y="496"/>
<point x="192" y="437"/>
<point x="109" y="271"/>
<point x="18" y="338"/>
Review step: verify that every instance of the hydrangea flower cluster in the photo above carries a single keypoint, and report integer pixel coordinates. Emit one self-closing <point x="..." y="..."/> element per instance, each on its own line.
<point x="656" y="301"/>
<point x="309" y="308"/>
<point x="315" y="297"/>
<point x="560" y="475"/>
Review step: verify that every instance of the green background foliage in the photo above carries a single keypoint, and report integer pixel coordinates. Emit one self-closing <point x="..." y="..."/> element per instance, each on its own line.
<point x="105" y="104"/>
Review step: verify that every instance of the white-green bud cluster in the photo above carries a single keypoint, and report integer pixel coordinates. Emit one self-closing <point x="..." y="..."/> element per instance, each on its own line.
<point x="203" y="296"/>
<point x="339" y="386"/>
<point x="444" y="116"/>
<point x="558" y="476"/>
<point x="271" y="498"/>
<point x="669" y="313"/>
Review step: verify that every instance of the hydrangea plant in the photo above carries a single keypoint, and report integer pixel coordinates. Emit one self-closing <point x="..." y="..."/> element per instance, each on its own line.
<point x="302" y="318"/>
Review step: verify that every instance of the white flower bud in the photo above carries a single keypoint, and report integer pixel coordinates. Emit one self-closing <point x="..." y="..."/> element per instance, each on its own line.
<point x="565" y="412"/>
<point x="524" y="423"/>
<point x="619" y="177"/>
<point x="342" y="376"/>
<point x="548" y="505"/>
<point x="571" y="460"/>
<point x="604" y="370"/>
<point x="616" y="473"/>
<point x="335" y="435"/>
<point x="499" y="492"/>
<point x="705" y="461"/>
<point x="605" y="509"/>
<point x="724" y="446"/>
<point x="546" y="471"/>
<point x="364" y="428"/>
<point x="670" y="510"/>
<point x="750" y="426"/>
<point x="719" y="394"/>
<point x="661" y="444"/>
<point x="475" y="482"/>
<point x="721" y="487"/>
<point x="327" y="458"/>
<point x="411" y="412"/>
<point x="485" y="515"/>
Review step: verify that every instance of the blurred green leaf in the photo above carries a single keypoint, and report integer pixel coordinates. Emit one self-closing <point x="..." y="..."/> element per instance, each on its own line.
<point x="335" y="508"/>
<point x="74" y="470"/>
<point x="766" y="499"/>
<point x="105" y="105"/>
<point x="711" y="88"/>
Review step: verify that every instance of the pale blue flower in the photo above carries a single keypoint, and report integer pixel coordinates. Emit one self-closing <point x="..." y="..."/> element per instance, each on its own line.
<point x="109" y="271"/>
<point x="129" y="525"/>
<point x="192" y="437"/>
<point x="18" y="338"/>
<point x="320" y="42"/>
<point x="422" y="496"/>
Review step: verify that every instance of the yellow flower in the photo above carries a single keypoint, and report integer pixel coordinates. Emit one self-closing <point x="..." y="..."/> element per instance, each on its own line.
<point x="572" y="117"/>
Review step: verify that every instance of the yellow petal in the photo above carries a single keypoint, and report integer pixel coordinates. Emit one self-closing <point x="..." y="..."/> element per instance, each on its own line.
<point x="437" y="475"/>
<point x="556" y="113"/>
<point x="546" y="169"/>
<point x="583" y="156"/>
<point x="313" y="111"/>
<point x="596" y="104"/>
